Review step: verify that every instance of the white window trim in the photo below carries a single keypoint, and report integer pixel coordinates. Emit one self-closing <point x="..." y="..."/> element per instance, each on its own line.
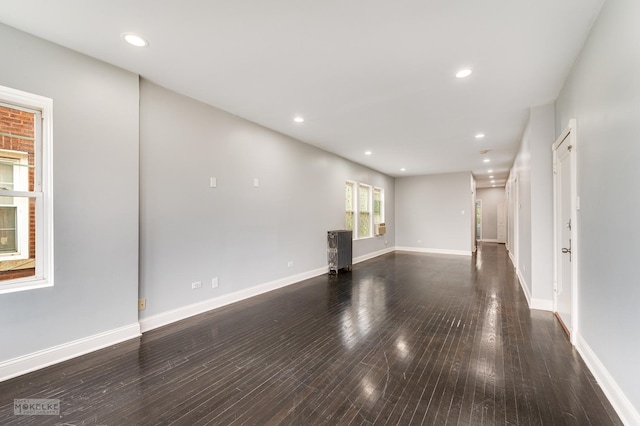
<point x="43" y="186"/>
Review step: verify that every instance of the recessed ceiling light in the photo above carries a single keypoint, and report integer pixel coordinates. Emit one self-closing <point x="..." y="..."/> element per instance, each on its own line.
<point x="486" y="160"/>
<point x="463" y="73"/>
<point x="480" y="135"/>
<point x="368" y="153"/>
<point x="490" y="171"/>
<point x="493" y="181"/>
<point x="490" y="177"/>
<point x="298" y="119"/>
<point x="493" y="186"/>
<point x="135" y="40"/>
<point x="403" y="169"/>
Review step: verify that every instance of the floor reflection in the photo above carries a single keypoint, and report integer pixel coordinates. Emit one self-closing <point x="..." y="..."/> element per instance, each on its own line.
<point x="362" y="307"/>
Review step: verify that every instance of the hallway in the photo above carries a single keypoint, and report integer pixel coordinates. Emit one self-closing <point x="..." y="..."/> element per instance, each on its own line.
<point x="404" y="338"/>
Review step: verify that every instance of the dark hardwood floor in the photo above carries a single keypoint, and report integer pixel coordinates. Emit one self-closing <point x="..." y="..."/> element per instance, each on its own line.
<point x="402" y="339"/>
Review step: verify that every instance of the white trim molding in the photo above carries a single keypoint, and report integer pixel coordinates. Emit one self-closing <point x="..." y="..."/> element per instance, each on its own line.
<point x="56" y="354"/>
<point x="369" y="256"/>
<point x="541" y="304"/>
<point x="177" y="314"/>
<point x="183" y="312"/>
<point x="625" y="409"/>
<point x="489" y="240"/>
<point x="524" y="286"/>
<point x="435" y="251"/>
<point x="537" y="304"/>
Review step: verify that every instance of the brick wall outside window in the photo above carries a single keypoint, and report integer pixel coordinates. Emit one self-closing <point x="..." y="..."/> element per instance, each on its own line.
<point x="20" y="123"/>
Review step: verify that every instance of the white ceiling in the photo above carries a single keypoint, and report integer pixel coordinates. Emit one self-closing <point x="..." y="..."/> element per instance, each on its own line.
<point x="365" y="74"/>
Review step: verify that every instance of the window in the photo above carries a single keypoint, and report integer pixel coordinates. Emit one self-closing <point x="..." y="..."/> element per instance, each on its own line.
<point x="364" y="211"/>
<point x="378" y="210"/>
<point x="349" y="206"/>
<point x="364" y="208"/>
<point x="26" y="242"/>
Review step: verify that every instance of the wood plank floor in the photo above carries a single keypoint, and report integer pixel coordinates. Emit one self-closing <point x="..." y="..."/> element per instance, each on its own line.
<point x="402" y="339"/>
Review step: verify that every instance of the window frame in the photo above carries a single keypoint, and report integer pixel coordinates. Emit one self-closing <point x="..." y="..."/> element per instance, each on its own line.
<point x="371" y="213"/>
<point x="42" y="191"/>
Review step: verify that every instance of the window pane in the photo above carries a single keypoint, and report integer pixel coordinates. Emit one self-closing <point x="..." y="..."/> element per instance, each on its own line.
<point x="349" y="221"/>
<point x="349" y="197"/>
<point x="363" y="197"/>
<point x="348" y="200"/>
<point x="17" y="239"/>
<point x="8" y="229"/>
<point x="377" y="206"/>
<point x="364" y="229"/>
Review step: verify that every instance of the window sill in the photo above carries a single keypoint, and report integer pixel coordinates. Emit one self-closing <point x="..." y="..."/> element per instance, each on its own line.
<point x="31" y="284"/>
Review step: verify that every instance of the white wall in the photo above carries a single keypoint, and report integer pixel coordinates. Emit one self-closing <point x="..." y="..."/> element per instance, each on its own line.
<point x="531" y="178"/>
<point x="429" y="213"/>
<point x="95" y="171"/>
<point x="490" y="197"/>
<point x="118" y="147"/>
<point x="602" y="93"/>
<point x="542" y="138"/>
<point x="241" y="234"/>
<point x="520" y="187"/>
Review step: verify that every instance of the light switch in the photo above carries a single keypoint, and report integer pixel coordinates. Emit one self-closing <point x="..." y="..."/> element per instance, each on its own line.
<point x="213" y="182"/>
<point x="256" y="182"/>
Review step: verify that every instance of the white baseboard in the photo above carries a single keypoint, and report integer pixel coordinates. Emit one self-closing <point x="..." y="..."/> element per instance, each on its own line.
<point x="56" y="354"/>
<point x="372" y="255"/>
<point x="541" y="304"/>
<point x="524" y="286"/>
<point x="168" y="317"/>
<point x="177" y="314"/>
<point x="489" y="240"/>
<point x="434" y="251"/>
<point x="538" y="304"/>
<point x="625" y="409"/>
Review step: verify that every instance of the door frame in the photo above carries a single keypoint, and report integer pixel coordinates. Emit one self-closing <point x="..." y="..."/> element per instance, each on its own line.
<point x="568" y="135"/>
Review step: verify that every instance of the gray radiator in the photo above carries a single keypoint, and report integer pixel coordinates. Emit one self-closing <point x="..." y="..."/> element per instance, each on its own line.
<point x="339" y="250"/>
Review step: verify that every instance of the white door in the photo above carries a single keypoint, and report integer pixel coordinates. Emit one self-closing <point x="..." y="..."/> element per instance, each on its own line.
<point x="502" y="222"/>
<point x="565" y="227"/>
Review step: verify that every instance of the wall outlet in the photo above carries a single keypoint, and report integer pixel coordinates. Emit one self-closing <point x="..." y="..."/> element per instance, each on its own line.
<point x="142" y="304"/>
<point x="197" y="284"/>
<point x="214" y="282"/>
<point x="290" y="264"/>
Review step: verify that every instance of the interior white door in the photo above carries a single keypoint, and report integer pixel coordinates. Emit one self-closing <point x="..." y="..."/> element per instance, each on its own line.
<point x="502" y="222"/>
<point x="564" y="235"/>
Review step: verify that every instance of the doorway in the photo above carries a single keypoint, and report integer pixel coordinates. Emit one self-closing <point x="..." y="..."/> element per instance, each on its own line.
<point x="565" y="235"/>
